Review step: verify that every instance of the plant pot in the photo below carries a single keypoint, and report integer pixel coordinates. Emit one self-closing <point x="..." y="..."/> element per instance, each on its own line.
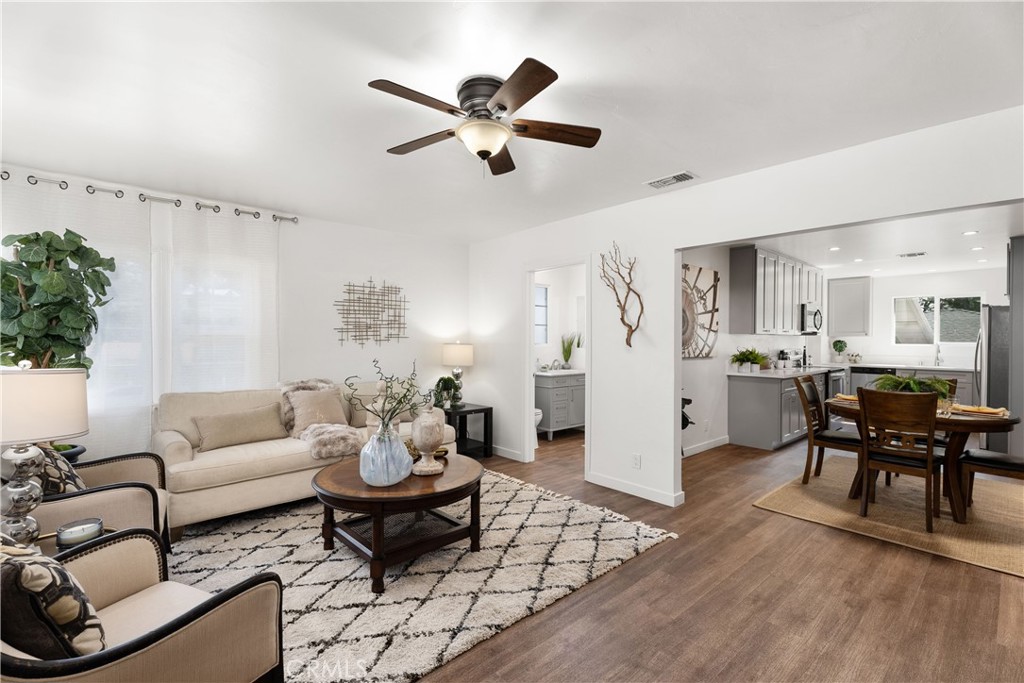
<point x="753" y="367"/>
<point x="72" y="454"/>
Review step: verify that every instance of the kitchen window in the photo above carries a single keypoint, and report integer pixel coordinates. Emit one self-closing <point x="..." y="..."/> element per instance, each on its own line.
<point x="932" y="320"/>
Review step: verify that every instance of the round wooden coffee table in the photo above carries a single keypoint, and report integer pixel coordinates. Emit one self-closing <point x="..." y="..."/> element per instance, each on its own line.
<point x="400" y="518"/>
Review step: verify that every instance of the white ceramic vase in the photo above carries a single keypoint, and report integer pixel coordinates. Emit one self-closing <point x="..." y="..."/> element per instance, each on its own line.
<point x="427" y="436"/>
<point x="384" y="460"/>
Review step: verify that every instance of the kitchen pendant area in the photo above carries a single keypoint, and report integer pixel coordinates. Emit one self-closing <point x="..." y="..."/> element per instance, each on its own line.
<point x="929" y="295"/>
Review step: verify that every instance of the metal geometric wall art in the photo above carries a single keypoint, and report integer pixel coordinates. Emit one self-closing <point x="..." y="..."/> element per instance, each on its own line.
<point x="700" y="311"/>
<point x="371" y="314"/>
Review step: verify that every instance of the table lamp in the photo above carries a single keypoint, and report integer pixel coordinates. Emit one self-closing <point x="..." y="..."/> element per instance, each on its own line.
<point x="36" y="406"/>
<point x="457" y="355"/>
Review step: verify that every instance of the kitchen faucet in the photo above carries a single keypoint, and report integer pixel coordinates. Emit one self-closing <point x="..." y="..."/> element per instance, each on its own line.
<point x="938" y="355"/>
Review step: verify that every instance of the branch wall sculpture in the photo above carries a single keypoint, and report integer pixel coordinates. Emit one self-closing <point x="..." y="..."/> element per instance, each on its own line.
<point x="616" y="270"/>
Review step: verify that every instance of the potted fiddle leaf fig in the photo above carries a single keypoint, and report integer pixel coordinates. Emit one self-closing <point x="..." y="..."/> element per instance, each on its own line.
<point x="50" y="291"/>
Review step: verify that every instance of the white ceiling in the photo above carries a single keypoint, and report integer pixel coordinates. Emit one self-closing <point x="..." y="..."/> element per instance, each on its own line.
<point x="939" y="235"/>
<point x="266" y="104"/>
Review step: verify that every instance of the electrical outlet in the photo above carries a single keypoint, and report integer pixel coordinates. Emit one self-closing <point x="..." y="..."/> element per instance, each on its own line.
<point x="707" y="426"/>
<point x="636" y="461"/>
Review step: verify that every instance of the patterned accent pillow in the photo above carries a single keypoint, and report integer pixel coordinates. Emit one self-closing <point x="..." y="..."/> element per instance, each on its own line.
<point x="46" y="612"/>
<point x="58" y="475"/>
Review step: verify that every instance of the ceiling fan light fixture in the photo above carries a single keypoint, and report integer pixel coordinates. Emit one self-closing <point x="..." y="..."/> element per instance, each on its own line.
<point x="483" y="137"/>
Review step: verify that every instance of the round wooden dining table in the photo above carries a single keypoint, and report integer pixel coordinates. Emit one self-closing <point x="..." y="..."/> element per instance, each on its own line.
<point x="957" y="425"/>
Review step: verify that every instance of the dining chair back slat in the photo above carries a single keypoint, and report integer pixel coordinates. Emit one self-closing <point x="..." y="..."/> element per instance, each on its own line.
<point x="818" y="434"/>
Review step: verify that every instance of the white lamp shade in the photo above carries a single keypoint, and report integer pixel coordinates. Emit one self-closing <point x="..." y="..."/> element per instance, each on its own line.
<point x="457" y="355"/>
<point x="42" y="405"/>
<point x="483" y="135"/>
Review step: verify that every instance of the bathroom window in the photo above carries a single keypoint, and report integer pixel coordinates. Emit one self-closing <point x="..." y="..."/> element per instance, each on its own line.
<point x="929" y="319"/>
<point x="540" y="314"/>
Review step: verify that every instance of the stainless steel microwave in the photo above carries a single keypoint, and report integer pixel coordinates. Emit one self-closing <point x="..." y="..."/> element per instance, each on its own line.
<point x="810" y="318"/>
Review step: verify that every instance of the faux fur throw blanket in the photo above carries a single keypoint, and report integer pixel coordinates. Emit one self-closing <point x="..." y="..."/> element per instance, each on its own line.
<point x="325" y="440"/>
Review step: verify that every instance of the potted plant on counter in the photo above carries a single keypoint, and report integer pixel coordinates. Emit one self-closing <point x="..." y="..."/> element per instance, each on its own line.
<point x="838" y="346"/>
<point x="568" y="341"/>
<point x="748" y="360"/>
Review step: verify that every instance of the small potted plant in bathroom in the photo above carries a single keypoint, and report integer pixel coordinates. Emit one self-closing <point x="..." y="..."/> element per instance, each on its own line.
<point x="748" y="360"/>
<point x="568" y="341"/>
<point x="838" y="346"/>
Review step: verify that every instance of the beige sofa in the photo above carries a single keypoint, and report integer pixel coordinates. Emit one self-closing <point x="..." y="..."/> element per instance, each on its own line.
<point x="208" y="484"/>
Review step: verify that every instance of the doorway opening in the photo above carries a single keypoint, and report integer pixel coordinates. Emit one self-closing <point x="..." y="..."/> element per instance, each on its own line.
<point x="558" y="359"/>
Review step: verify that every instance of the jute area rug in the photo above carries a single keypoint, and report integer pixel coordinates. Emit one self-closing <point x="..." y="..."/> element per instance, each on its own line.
<point x="536" y="547"/>
<point x="993" y="536"/>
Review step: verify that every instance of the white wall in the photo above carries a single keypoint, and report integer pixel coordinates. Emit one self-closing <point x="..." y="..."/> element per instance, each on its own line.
<point x="565" y="286"/>
<point x="317" y="259"/>
<point x="633" y="392"/>
<point x="989" y="284"/>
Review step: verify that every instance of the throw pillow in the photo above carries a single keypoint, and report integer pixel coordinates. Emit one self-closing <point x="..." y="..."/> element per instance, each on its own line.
<point x="231" y="429"/>
<point x="317" y="407"/>
<point x="58" y="476"/>
<point x="46" y="612"/>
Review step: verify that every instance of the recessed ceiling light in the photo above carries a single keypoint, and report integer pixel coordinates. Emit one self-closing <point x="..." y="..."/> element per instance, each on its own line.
<point x="977" y="248"/>
<point x="931" y="270"/>
<point x="983" y="260"/>
<point x="970" y="232"/>
<point x="833" y="248"/>
<point x="877" y="269"/>
<point x="857" y="260"/>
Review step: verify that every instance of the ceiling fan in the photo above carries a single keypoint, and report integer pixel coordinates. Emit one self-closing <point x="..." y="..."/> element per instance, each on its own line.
<point x="484" y="101"/>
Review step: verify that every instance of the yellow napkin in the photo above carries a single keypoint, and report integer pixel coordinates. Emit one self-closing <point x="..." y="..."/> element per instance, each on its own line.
<point x="845" y="397"/>
<point x="983" y="410"/>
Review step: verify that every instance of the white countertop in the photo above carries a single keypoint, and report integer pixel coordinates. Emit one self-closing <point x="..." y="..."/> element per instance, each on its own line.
<point x="559" y="373"/>
<point x="915" y="368"/>
<point x="788" y="373"/>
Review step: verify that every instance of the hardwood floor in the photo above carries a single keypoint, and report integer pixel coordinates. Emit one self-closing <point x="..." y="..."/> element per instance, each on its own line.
<point x="749" y="595"/>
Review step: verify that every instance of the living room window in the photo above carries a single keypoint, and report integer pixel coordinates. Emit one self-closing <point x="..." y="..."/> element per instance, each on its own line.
<point x="540" y="314"/>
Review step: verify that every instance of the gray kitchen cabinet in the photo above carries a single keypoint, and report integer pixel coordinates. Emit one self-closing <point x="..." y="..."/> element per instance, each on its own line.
<point x="766" y="290"/>
<point x="765" y="411"/>
<point x="560" y="398"/>
<point x="849" y="307"/>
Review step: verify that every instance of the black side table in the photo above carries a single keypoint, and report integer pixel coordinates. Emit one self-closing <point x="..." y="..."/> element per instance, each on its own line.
<point x="457" y="418"/>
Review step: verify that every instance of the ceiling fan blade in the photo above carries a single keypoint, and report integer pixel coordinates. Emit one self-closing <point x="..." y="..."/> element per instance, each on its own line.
<point x="501" y="162"/>
<point x="567" y="134"/>
<point x="414" y="145"/>
<point x="522" y="86"/>
<point x="417" y="97"/>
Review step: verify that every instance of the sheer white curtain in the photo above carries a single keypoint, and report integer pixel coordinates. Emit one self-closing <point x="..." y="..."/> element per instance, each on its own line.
<point x="220" y="322"/>
<point x="120" y="382"/>
<point x="194" y="300"/>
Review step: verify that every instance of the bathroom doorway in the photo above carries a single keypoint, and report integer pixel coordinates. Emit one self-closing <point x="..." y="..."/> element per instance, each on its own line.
<point x="559" y="359"/>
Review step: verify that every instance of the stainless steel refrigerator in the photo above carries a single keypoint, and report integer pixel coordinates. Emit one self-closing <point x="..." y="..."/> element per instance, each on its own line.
<point x="992" y="367"/>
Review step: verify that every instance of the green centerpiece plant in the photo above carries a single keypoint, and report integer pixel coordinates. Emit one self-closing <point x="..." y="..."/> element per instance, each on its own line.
<point x="913" y="383"/>
<point x="49" y="292"/>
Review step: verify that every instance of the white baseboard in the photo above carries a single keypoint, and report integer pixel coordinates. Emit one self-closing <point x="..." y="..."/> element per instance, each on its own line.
<point x="509" y="453"/>
<point x="705" y="446"/>
<point x="656" y="495"/>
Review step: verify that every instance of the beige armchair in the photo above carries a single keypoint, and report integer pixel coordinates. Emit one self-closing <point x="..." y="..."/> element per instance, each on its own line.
<point x="126" y="491"/>
<point x="159" y="630"/>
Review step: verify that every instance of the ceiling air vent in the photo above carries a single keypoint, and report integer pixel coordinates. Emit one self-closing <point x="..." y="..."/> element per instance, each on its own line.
<point x="667" y="181"/>
<point x="912" y="254"/>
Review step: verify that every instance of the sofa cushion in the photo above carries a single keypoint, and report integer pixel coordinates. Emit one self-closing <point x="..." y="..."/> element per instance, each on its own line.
<point x="317" y="407"/>
<point x="150" y="608"/>
<point x="46" y="612"/>
<point x="230" y="429"/>
<point x="242" y="463"/>
<point x="176" y="410"/>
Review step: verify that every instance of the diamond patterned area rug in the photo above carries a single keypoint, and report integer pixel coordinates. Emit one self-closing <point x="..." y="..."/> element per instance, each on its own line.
<point x="536" y="547"/>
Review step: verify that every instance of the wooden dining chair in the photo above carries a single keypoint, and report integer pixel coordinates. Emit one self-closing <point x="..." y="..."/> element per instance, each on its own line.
<point x="898" y="435"/>
<point x="818" y="434"/>
<point x="987" y="462"/>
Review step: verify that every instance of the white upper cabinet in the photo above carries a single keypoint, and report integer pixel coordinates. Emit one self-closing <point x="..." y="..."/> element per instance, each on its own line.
<point x="849" y="307"/>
